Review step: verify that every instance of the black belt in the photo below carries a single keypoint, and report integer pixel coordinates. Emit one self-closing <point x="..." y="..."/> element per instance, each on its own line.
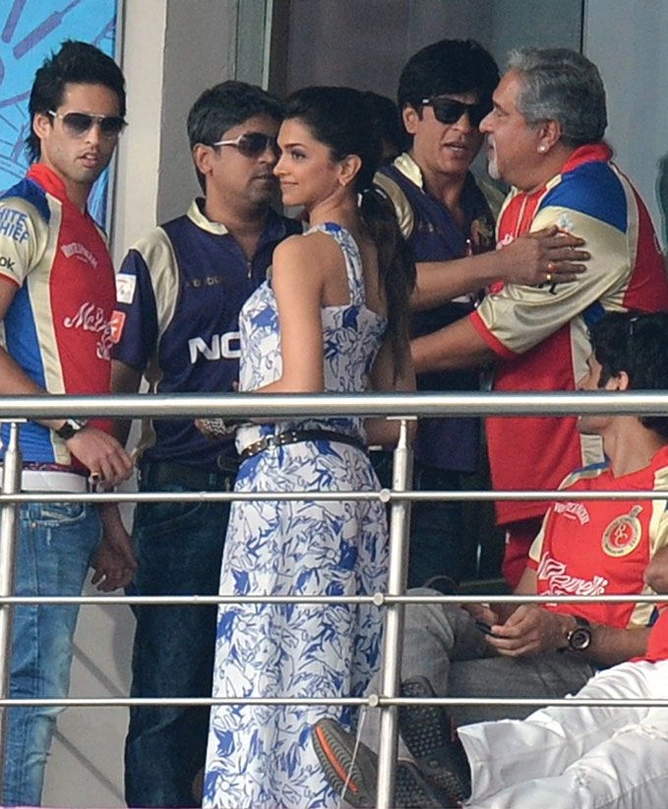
<point x="295" y="436"/>
<point x="162" y="473"/>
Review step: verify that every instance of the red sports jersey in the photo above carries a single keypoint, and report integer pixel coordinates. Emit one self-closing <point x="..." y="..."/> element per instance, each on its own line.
<point x="602" y="547"/>
<point x="57" y="327"/>
<point x="657" y="643"/>
<point x="540" y="334"/>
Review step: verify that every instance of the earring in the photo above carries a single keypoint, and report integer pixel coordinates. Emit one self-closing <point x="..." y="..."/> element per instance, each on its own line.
<point x="542" y="148"/>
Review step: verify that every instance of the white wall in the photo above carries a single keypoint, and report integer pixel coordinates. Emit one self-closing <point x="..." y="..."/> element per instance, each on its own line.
<point x="200" y="51"/>
<point x="86" y="764"/>
<point x="135" y="198"/>
<point x="627" y="40"/>
<point x="173" y="50"/>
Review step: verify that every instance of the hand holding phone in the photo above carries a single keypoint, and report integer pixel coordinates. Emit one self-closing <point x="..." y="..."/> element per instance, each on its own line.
<point x="486" y="629"/>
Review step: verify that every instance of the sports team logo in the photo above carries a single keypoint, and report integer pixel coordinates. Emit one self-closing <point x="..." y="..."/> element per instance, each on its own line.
<point x="116" y="325"/>
<point x="623" y="535"/>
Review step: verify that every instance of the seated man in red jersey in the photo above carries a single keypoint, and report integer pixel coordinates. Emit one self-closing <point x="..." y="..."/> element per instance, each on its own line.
<point x="545" y="136"/>
<point x="585" y="547"/>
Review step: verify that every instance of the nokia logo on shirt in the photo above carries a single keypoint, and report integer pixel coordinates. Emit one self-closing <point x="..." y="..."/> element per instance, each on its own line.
<point x="223" y="346"/>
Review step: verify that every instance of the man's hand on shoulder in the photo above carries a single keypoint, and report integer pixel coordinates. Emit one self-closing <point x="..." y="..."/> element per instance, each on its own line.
<point x="546" y="256"/>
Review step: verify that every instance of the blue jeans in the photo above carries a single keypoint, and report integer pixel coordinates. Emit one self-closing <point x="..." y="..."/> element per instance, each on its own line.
<point x="179" y="548"/>
<point x="55" y="543"/>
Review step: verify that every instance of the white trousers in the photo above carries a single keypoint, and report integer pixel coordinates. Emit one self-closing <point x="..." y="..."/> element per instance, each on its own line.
<point x="579" y="757"/>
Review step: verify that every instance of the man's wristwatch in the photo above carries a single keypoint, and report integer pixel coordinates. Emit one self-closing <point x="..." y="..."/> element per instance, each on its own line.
<point x="70" y="428"/>
<point x="579" y="639"/>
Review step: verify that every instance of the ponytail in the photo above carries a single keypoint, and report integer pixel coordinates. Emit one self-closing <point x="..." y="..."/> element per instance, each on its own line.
<point x="395" y="265"/>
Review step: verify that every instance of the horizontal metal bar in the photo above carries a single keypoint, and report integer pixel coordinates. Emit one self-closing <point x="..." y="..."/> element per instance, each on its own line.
<point x="378" y="599"/>
<point x="276" y="407"/>
<point x="371" y="701"/>
<point x="535" y="701"/>
<point x="384" y="495"/>
<point x="113" y="702"/>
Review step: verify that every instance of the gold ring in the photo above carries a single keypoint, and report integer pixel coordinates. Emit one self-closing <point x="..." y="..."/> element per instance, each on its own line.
<point x="548" y="277"/>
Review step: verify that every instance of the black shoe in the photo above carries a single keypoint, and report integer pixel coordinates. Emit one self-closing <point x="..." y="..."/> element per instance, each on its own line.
<point x="431" y="738"/>
<point x="354" y="774"/>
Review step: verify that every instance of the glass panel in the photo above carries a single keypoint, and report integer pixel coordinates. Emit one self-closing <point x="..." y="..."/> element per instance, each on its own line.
<point x="254" y="41"/>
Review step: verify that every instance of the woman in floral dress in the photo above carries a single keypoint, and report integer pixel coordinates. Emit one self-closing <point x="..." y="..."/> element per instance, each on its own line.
<point x="333" y="317"/>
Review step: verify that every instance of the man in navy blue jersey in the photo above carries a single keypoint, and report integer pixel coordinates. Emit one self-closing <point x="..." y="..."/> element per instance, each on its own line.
<point x="444" y="91"/>
<point x="179" y="293"/>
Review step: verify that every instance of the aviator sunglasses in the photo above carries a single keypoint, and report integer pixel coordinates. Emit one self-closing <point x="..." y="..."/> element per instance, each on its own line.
<point x="78" y="123"/>
<point x="447" y="110"/>
<point x="251" y="144"/>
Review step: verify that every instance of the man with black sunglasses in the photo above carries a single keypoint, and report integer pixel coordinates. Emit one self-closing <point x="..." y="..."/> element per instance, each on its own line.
<point x="180" y="290"/>
<point x="445" y="90"/>
<point x="545" y="133"/>
<point x="57" y="297"/>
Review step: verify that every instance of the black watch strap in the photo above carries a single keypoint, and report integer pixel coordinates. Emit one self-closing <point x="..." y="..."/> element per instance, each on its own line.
<point x="70" y="428"/>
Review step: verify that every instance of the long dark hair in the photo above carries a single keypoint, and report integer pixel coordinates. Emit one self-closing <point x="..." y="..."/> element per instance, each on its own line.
<point x="340" y="118"/>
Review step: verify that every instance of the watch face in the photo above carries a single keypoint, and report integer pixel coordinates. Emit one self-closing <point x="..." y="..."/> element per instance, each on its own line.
<point x="580" y="638"/>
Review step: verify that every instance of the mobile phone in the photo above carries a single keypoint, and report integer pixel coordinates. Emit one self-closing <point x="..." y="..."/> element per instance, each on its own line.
<point x="486" y="629"/>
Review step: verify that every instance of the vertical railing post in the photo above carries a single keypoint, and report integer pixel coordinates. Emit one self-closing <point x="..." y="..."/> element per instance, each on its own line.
<point x="9" y="521"/>
<point x="394" y="619"/>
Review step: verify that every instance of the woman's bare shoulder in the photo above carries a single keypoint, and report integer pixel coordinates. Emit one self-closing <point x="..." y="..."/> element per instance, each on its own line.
<point x="307" y="248"/>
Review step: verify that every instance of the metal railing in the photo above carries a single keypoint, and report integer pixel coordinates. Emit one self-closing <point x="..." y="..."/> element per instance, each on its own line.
<point x="276" y="407"/>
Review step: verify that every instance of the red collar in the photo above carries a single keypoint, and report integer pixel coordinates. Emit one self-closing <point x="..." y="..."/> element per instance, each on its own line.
<point x="49" y="180"/>
<point x="587" y="154"/>
<point x="52" y="184"/>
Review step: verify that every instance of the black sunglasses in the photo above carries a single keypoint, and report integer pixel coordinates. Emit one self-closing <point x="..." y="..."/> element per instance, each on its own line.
<point x="251" y="144"/>
<point x="447" y="110"/>
<point x="78" y="123"/>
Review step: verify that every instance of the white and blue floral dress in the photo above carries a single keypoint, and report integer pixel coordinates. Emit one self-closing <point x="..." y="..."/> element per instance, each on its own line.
<point x="262" y="756"/>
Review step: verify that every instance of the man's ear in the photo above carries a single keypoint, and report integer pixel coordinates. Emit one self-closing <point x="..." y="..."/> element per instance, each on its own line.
<point x="40" y="123"/>
<point x="202" y="157"/>
<point x="411" y="118"/>
<point x="550" y="134"/>
<point x="622" y="381"/>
